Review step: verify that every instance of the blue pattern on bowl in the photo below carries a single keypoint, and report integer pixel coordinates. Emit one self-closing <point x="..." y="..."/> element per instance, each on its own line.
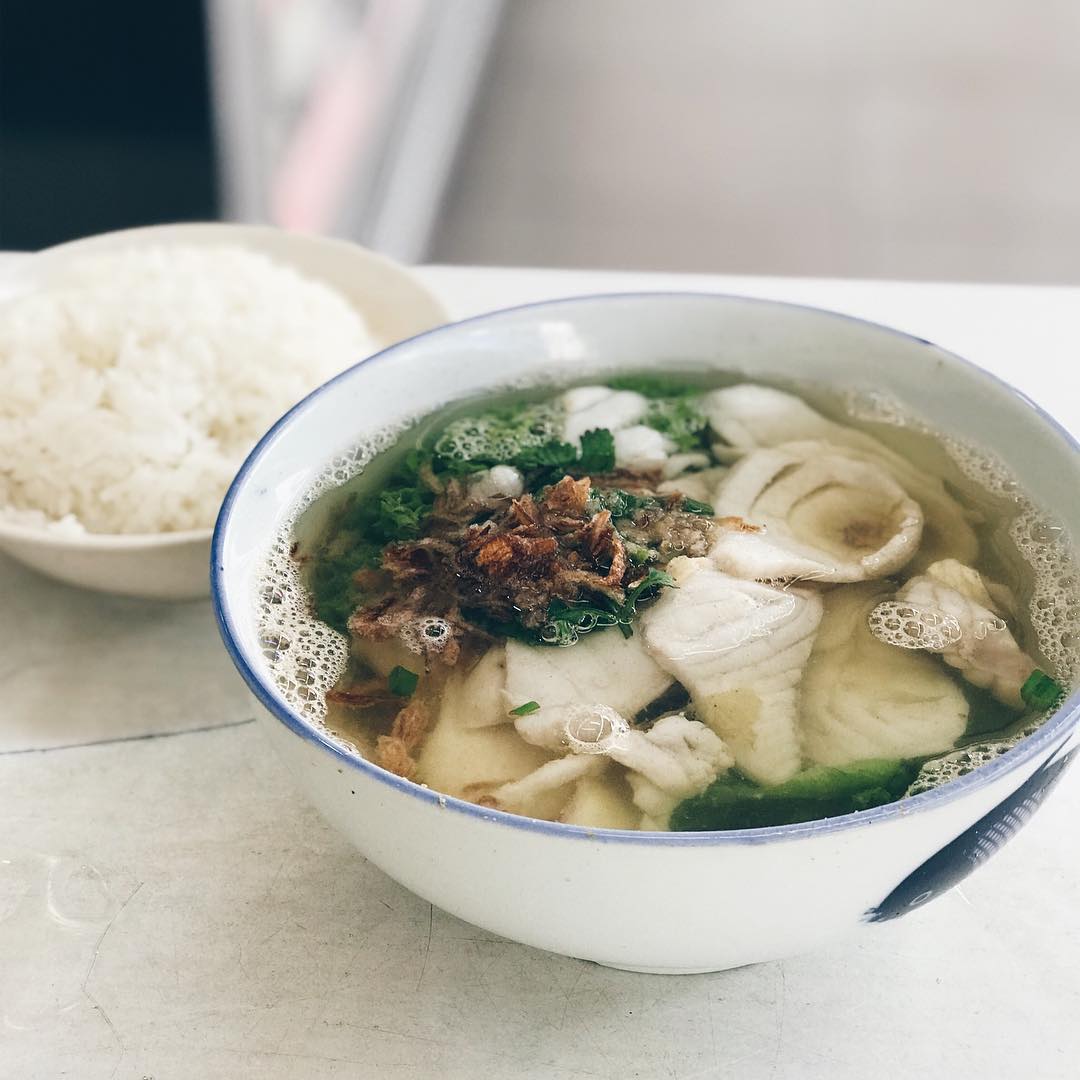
<point x="956" y="860"/>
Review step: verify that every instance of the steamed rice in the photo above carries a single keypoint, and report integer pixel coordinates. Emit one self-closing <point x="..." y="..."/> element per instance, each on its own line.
<point x="133" y="383"/>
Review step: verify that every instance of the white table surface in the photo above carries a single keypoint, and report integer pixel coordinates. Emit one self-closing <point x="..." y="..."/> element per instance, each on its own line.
<point x="171" y="908"/>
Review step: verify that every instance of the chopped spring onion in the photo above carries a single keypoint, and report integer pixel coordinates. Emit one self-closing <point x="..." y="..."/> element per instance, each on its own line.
<point x="1040" y="691"/>
<point x="692" y="506"/>
<point x="524" y="710"/>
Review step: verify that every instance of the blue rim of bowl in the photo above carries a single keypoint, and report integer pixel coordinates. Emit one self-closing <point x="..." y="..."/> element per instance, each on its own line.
<point x="1052" y="728"/>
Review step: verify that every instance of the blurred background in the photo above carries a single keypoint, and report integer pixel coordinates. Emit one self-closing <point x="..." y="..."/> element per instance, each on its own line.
<point x="901" y="139"/>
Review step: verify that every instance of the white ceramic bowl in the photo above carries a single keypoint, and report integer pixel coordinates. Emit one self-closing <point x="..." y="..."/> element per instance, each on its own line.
<point x="172" y="566"/>
<point x="675" y="902"/>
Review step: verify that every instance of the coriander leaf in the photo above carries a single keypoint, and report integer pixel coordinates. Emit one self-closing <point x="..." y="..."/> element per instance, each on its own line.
<point x="597" y="451"/>
<point x="334" y="593"/>
<point x="401" y="513"/>
<point x="524" y="710"/>
<point x="680" y="419"/>
<point x="1040" y="691"/>
<point x="402" y="681"/>
<point x="654" y="579"/>
<point x="566" y="622"/>
<point x="548" y="455"/>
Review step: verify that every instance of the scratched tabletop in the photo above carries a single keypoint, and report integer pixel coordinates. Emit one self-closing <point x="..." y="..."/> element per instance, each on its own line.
<point x="170" y="907"/>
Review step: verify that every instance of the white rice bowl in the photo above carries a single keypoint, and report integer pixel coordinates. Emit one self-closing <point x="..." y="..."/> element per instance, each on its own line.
<point x="136" y="381"/>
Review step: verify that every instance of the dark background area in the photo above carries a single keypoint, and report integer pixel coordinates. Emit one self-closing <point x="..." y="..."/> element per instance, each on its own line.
<point x="105" y="118"/>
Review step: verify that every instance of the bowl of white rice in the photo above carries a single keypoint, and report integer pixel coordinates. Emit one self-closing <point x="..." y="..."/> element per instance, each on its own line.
<point x="139" y="368"/>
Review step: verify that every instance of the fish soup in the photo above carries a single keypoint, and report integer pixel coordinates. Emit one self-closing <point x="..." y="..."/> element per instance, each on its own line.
<point x="662" y="605"/>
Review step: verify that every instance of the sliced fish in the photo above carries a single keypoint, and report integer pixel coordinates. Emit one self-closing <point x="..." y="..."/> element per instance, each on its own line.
<point x="602" y="667"/>
<point x="739" y="647"/>
<point x="674" y="759"/>
<point x="751" y="417"/>
<point x="469" y="762"/>
<point x="601" y="801"/>
<point x="590" y="407"/>
<point x="805" y="510"/>
<point x="864" y="699"/>
<point x="949" y="610"/>
<point x="478" y="697"/>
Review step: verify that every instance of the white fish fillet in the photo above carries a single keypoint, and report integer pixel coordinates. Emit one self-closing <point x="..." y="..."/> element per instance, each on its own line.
<point x="982" y="647"/>
<point x="825" y="517"/>
<point x="674" y="759"/>
<point x="478" y="696"/>
<point x="590" y="407"/>
<point x="545" y="791"/>
<point x="678" y="465"/>
<point x="864" y="699"/>
<point x="601" y="802"/>
<point x="739" y="648"/>
<point x="468" y="762"/>
<point x="602" y="667"/>
<point x="641" y="447"/>
<point x="698" y="485"/>
<point x="750" y="417"/>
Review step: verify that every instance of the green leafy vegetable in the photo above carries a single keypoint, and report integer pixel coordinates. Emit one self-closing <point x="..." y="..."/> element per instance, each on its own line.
<point x="557" y="455"/>
<point x="364" y="527"/>
<point x="624" y="504"/>
<point x="401" y="512"/>
<point x="1040" y="691"/>
<point x="653" y="386"/>
<point x="649" y="584"/>
<point x="334" y="593"/>
<point x="621" y="503"/>
<point x="639" y="554"/>
<point x="402" y="681"/>
<point x="823" y="791"/>
<point x="597" y="451"/>
<point x="680" y="419"/>
<point x="675" y="698"/>
<point x="568" y="621"/>
<point x="524" y="710"/>
<point x="497" y="436"/>
<point x="527" y="437"/>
